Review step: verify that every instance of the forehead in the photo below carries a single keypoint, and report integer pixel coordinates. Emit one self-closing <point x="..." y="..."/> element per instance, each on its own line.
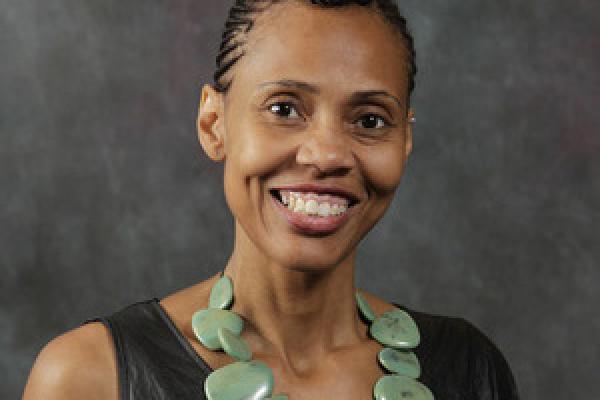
<point x="348" y="49"/>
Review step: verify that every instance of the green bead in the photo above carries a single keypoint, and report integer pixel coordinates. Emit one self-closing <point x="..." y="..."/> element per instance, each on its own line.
<point x="221" y="294"/>
<point x="241" y="380"/>
<point x="395" y="328"/>
<point x="206" y="322"/>
<point x="398" y="387"/>
<point x="401" y="362"/>
<point x="364" y="307"/>
<point x="234" y="345"/>
<point x="278" y="397"/>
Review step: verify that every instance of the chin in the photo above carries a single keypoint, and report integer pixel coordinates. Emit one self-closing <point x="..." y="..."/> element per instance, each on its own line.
<point x="317" y="259"/>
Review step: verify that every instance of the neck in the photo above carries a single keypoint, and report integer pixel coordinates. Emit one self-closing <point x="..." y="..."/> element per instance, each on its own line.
<point x="297" y="316"/>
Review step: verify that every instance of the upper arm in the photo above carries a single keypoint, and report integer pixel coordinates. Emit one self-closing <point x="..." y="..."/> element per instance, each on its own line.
<point x="79" y="364"/>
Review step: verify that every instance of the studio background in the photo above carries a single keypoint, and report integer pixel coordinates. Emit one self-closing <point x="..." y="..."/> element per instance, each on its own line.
<point x="107" y="197"/>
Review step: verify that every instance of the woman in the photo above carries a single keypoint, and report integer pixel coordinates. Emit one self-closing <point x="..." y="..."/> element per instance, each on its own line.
<point x="310" y="115"/>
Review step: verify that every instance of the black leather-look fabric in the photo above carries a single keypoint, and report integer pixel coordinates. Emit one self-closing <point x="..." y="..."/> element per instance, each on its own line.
<point x="156" y="362"/>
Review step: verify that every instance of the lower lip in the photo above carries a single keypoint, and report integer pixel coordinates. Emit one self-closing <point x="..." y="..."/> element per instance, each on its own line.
<point x="312" y="224"/>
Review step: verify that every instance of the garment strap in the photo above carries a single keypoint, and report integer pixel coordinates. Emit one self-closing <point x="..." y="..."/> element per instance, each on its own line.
<point x="154" y="359"/>
<point x="119" y="354"/>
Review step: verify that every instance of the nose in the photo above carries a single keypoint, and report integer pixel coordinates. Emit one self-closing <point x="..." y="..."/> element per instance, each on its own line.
<point x="328" y="150"/>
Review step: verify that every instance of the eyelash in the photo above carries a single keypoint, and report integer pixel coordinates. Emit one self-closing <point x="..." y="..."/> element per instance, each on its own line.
<point x="385" y="121"/>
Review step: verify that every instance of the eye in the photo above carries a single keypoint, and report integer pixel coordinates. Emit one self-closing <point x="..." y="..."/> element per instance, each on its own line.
<point x="284" y="109"/>
<point x="372" y="121"/>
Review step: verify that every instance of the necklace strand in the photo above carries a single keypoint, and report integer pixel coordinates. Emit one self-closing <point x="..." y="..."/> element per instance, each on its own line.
<point x="219" y="328"/>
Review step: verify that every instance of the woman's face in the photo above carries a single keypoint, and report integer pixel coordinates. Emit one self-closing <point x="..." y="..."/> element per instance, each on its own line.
<point x="317" y="128"/>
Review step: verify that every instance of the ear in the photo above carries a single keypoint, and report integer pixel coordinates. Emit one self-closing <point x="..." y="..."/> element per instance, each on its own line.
<point x="408" y="141"/>
<point x="209" y="124"/>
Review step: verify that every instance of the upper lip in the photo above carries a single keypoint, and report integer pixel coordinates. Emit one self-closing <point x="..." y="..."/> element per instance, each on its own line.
<point x="315" y="188"/>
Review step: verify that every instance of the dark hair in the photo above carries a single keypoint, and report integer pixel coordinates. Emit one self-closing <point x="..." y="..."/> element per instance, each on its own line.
<point x="242" y="17"/>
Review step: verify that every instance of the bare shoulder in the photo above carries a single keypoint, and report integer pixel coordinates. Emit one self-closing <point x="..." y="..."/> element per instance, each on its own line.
<point x="378" y="304"/>
<point x="79" y="364"/>
<point x="182" y="304"/>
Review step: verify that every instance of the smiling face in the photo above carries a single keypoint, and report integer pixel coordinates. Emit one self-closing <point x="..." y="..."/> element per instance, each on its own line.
<point x="319" y="98"/>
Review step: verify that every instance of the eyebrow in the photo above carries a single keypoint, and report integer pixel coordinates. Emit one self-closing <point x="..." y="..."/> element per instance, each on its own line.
<point x="355" y="97"/>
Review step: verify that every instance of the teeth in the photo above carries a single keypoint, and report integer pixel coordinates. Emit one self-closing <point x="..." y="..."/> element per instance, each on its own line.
<point x="310" y="206"/>
<point x="299" y="205"/>
<point x="324" y="209"/>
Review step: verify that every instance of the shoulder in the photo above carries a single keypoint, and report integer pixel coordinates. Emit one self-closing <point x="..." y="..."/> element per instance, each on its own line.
<point x="78" y="364"/>
<point x="458" y="351"/>
<point x="490" y="373"/>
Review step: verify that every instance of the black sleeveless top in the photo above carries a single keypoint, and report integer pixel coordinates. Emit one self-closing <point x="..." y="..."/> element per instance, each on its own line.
<point x="156" y="362"/>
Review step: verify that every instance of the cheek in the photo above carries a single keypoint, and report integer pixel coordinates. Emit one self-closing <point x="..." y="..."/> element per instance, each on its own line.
<point x="253" y="154"/>
<point x="256" y="154"/>
<point x="383" y="168"/>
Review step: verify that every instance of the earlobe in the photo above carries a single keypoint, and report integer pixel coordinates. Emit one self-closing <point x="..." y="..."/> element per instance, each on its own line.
<point x="209" y="123"/>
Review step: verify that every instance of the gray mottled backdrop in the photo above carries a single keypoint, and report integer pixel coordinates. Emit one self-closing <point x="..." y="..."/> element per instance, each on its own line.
<point x="107" y="198"/>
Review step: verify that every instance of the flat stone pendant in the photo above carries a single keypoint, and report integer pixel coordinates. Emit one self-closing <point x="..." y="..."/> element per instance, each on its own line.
<point x="364" y="307"/>
<point x="395" y="328"/>
<point x="398" y="387"/>
<point x="401" y="362"/>
<point x="234" y="345"/>
<point x="241" y="380"/>
<point x="221" y="294"/>
<point x="206" y="322"/>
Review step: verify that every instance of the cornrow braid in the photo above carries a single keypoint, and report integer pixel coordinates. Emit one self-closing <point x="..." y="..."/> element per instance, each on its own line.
<point x="243" y="13"/>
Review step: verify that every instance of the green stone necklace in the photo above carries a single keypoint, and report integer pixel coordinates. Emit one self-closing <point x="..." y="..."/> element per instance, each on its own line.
<point x="218" y="328"/>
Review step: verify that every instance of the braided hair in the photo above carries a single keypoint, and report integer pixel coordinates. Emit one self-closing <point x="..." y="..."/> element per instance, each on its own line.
<point x="243" y="13"/>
